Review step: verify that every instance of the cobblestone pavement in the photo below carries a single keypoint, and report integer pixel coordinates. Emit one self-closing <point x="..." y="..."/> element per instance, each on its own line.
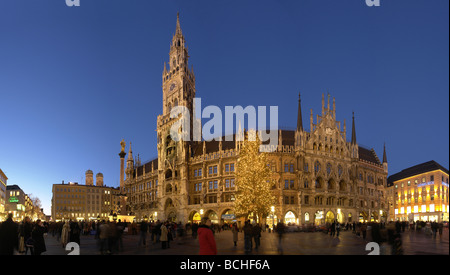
<point x="317" y="243"/>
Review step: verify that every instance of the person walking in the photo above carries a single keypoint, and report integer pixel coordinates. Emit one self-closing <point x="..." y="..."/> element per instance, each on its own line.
<point x="364" y="230"/>
<point x="103" y="235"/>
<point x="9" y="236"/>
<point x="38" y="238"/>
<point x="143" y="233"/>
<point x="206" y="238"/>
<point x="256" y="233"/>
<point x="434" y="228"/>
<point x="75" y="232"/>
<point x="280" y="230"/>
<point x="338" y="229"/>
<point x="164" y="237"/>
<point x="333" y="229"/>
<point x="65" y="234"/>
<point x="235" y="231"/>
<point x="248" y="235"/>
<point x="194" y="230"/>
<point x="440" y="228"/>
<point x="169" y="233"/>
<point x="120" y="229"/>
<point x="27" y="228"/>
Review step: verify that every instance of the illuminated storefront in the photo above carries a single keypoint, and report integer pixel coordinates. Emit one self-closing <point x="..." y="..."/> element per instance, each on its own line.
<point x="290" y="218"/>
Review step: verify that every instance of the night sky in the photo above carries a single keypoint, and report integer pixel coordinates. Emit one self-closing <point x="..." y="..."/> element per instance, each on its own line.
<point x="75" y="81"/>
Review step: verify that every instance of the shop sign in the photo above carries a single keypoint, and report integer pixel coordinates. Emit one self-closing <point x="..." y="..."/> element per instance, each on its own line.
<point x="13" y="199"/>
<point x="425" y="184"/>
<point x="228" y="216"/>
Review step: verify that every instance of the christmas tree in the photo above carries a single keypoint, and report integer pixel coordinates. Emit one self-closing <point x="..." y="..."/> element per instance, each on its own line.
<point x="253" y="180"/>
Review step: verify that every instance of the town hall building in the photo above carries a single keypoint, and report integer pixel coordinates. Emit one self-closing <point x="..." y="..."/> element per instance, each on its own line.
<point x="321" y="177"/>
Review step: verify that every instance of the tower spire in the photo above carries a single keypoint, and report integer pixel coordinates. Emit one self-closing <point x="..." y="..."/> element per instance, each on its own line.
<point x="353" y="129"/>
<point x="130" y="154"/>
<point x="385" y="164"/>
<point x="178" y="30"/>
<point x="299" y="115"/>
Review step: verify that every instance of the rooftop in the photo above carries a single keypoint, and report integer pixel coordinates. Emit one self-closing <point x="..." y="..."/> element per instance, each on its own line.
<point x="416" y="170"/>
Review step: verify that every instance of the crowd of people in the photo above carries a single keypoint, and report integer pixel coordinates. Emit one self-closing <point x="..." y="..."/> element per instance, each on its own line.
<point x="27" y="237"/>
<point x="23" y="237"/>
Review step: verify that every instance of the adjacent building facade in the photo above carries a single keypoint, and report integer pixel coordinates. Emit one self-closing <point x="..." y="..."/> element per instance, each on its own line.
<point x="420" y="193"/>
<point x="3" y="182"/>
<point x="320" y="175"/>
<point x="20" y="205"/>
<point x="85" y="202"/>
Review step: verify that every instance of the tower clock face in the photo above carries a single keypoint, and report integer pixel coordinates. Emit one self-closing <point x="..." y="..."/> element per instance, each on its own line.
<point x="172" y="86"/>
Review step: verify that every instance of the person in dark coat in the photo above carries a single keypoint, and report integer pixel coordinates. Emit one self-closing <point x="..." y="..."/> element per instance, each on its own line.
<point x="194" y="230"/>
<point x="75" y="231"/>
<point x="27" y="229"/>
<point x="256" y="233"/>
<point x="206" y="238"/>
<point x="248" y="231"/>
<point x="333" y="229"/>
<point x="9" y="236"/>
<point x="38" y="238"/>
<point x="280" y="229"/>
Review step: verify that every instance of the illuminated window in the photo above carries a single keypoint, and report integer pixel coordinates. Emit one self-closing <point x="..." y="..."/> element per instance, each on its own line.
<point x="416" y="209"/>
<point x="396" y="211"/>
<point x="402" y="210"/>
<point x="408" y="209"/>
<point x="431" y="207"/>
<point x="424" y="208"/>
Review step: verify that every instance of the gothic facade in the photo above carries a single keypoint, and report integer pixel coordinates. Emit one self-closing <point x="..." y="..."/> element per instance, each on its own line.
<point x="320" y="175"/>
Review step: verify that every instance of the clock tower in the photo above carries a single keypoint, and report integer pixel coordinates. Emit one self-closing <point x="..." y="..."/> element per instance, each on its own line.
<point x="178" y="85"/>
<point x="177" y="79"/>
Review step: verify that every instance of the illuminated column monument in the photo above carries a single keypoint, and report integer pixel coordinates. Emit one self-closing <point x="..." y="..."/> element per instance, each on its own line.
<point x="122" y="164"/>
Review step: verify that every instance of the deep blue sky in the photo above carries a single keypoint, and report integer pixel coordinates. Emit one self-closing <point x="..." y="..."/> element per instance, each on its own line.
<point x="75" y="81"/>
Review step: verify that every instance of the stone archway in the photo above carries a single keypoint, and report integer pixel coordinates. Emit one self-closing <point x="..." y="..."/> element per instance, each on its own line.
<point x="169" y="210"/>
<point x="363" y="216"/>
<point x="318" y="217"/>
<point x="212" y="215"/>
<point x="290" y="218"/>
<point x="374" y="217"/>
<point x="171" y="216"/>
<point x="329" y="218"/>
<point x="340" y="217"/>
<point x="195" y="217"/>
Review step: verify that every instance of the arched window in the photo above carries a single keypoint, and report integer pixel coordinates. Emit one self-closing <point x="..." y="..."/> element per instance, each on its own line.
<point x="318" y="184"/>
<point x="168" y="188"/>
<point x="169" y="174"/>
<point x="340" y="170"/>
<point x="317" y="167"/>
